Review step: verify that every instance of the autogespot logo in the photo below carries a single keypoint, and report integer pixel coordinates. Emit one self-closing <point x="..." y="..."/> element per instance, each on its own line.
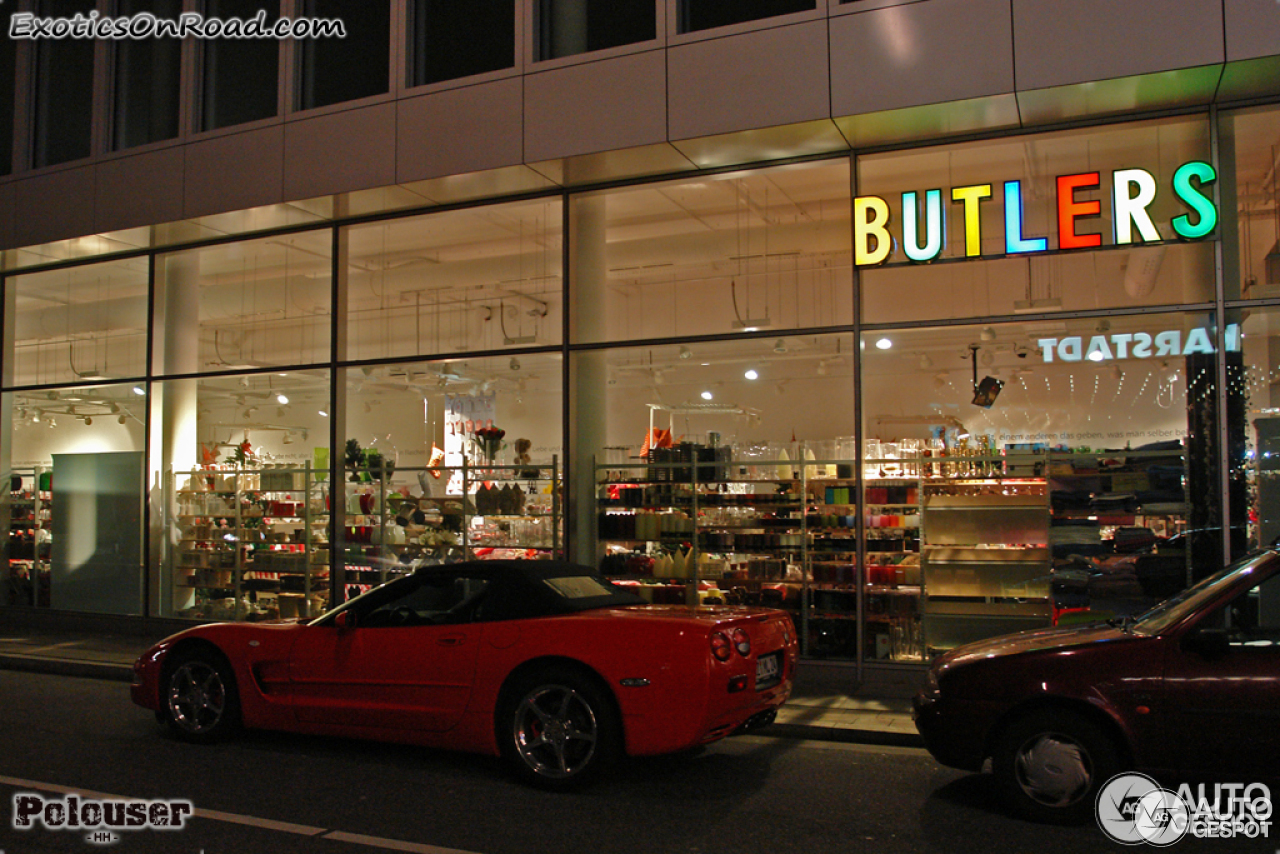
<point x="1133" y="808"/>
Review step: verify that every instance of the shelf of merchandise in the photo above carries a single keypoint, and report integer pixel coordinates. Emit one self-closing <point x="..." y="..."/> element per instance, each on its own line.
<point x="378" y="549"/>
<point x="30" y="519"/>
<point x="668" y="507"/>
<point x="253" y="536"/>
<point x="984" y="559"/>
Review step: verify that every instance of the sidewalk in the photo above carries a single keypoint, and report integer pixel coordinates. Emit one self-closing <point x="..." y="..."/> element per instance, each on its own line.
<point x="827" y="704"/>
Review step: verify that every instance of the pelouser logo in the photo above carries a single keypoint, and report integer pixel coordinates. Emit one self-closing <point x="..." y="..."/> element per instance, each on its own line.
<point x="97" y="819"/>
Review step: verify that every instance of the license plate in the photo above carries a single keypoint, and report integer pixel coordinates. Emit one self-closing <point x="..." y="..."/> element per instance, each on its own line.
<point x="768" y="670"/>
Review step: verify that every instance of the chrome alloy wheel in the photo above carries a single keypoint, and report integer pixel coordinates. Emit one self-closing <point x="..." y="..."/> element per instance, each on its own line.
<point x="197" y="698"/>
<point x="555" y="731"/>
<point x="1053" y="769"/>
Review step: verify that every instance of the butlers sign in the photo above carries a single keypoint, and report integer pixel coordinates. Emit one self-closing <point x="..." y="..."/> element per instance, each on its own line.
<point x="1132" y="193"/>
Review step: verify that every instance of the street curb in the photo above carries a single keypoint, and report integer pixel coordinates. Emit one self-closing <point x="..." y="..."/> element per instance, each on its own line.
<point x="67" y="667"/>
<point x="842" y="734"/>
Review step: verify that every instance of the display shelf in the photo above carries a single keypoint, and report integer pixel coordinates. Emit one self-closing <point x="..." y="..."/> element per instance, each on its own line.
<point x="29" y="509"/>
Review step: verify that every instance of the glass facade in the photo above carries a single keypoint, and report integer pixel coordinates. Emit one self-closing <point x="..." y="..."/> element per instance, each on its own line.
<point x="916" y="397"/>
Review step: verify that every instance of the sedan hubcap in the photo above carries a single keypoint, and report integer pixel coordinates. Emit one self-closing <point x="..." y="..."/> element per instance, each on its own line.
<point x="1053" y="770"/>
<point x="555" y="731"/>
<point x="197" y="697"/>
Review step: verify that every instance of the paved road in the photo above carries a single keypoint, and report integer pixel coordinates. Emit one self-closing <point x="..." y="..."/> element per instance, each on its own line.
<point x="267" y="792"/>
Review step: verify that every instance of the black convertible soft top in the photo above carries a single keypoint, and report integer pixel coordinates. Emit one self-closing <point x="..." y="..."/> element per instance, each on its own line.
<point x="516" y="589"/>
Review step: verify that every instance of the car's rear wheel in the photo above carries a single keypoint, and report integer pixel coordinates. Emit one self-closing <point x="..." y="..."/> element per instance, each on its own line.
<point x="1051" y="764"/>
<point x="200" y="699"/>
<point x="557" y="728"/>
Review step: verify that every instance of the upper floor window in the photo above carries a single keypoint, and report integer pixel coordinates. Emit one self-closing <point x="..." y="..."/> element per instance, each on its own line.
<point x="148" y="79"/>
<point x="8" y="78"/>
<point x="240" y="76"/>
<point x="63" y="107"/>
<point x="345" y="69"/>
<point x="448" y="40"/>
<point x="698" y="15"/>
<point x="569" y="27"/>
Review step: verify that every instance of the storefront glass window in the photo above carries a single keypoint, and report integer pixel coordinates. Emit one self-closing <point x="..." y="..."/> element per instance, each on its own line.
<point x="570" y="27"/>
<point x="1252" y="140"/>
<point x="77" y="324"/>
<point x="450" y="460"/>
<point x="240" y="486"/>
<point x="1021" y="475"/>
<point x="238" y="306"/>
<point x="739" y="252"/>
<point x="74" y="505"/>
<point x="477" y="279"/>
<point x="344" y="69"/>
<point x="707" y="463"/>
<point x="1010" y="226"/>
<point x="1255" y="457"/>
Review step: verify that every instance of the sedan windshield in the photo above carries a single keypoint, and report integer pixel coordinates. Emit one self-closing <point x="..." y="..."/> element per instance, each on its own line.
<point x="1170" y="611"/>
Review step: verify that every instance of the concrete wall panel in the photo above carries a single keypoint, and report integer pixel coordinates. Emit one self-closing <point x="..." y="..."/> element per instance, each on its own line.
<point x="340" y="152"/>
<point x="457" y="131"/>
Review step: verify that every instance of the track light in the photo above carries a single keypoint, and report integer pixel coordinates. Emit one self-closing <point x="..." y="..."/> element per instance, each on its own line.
<point x="707" y="395"/>
<point x="122" y="418"/>
<point x="752" y="374"/>
<point x="88" y="419"/>
<point x="686" y="353"/>
<point x="281" y="399"/>
<point x="515" y="364"/>
<point x="779" y="346"/>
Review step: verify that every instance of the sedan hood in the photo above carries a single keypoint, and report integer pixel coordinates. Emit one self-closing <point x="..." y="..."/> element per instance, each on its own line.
<point x="1038" y="641"/>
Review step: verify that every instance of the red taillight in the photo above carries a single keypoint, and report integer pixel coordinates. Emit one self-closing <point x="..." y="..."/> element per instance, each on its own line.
<point x="720" y="646"/>
<point x="741" y="642"/>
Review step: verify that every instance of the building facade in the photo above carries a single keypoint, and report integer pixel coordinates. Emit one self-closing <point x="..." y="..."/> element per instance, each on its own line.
<point x="925" y="320"/>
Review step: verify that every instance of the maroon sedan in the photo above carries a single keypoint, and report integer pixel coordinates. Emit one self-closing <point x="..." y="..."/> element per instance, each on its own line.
<point x="1190" y="687"/>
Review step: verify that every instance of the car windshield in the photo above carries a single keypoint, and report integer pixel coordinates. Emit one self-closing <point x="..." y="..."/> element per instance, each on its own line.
<point x="1173" y="609"/>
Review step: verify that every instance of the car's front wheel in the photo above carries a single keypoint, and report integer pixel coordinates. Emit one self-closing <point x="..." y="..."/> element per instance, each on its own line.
<point x="557" y="729"/>
<point x="200" y="699"/>
<point x="1051" y="764"/>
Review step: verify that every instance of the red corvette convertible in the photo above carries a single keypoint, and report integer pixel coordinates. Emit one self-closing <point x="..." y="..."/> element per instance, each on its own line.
<point x="546" y="663"/>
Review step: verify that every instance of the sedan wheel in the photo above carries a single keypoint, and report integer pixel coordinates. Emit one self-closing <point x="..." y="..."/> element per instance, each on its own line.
<point x="1051" y="765"/>
<point x="200" y="699"/>
<point x="559" y="730"/>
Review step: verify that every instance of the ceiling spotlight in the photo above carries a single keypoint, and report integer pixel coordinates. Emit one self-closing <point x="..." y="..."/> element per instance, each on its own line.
<point x="659" y="378"/>
<point x="288" y="438"/>
<point x="323" y="414"/>
<point x="88" y="419"/>
<point x="686" y="353"/>
<point x="1095" y="356"/>
<point x="987" y="334"/>
<point x="822" y="368"/>
<point x="706" y="395"/>
<point x="1104" y="325"/>
<point x="515" y="364"/>
<point x="987" y="359"/>
<point x="140" y="391"/>
<point x="248" y="413"/>
<point x="281" y="399"/>
<point x="752" y="374"/>
<point x="779" y="346"/>
<point x="925" y="362"/>
<point x="122" y="418"/>
<point x="53" y="422"/>
<point x="884" y="344"/>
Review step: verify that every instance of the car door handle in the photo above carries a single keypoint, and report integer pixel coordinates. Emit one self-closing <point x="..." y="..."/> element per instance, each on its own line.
<point x="451" y="640"/>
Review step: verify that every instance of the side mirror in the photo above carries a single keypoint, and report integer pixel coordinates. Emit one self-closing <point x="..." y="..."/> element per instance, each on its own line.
<point x="345" y="621"/>
<point x="1207" y="643"/>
